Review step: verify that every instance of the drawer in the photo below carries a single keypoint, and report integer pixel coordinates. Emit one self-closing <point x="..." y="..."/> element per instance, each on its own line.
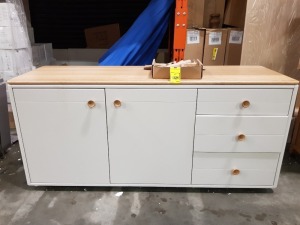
<point x="59" y="95"/>
<point x="235" y="125"/>
<point x="251" y="169"/>
<point x="239" y="143"/>
<point x="274" y="102"/>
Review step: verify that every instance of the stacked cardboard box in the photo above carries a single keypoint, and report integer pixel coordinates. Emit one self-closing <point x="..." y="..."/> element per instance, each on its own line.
<point x="235" y="13"/>
<point x="214" y="46"/>
<point x="219" y="46"/>
<point x="234" y="17"/>
<point x="209" y="45"/>
<point x="234" y="46"/>
<point x="200" y="12"/>
<point x="15" y="50"/>
<point x="194" y="44"/>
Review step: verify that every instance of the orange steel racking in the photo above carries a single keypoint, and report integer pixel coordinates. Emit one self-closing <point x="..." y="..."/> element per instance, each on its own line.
<point x="180" y="26"/>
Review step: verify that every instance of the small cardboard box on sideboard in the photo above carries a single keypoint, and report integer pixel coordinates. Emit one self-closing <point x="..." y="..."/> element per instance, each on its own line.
<point x="234" y="46"/>
<point x="160" y="71"/>
<point x="215" y="47"/>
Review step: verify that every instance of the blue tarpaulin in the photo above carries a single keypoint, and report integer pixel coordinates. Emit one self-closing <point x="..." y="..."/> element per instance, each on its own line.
<point x="138" y="46"/>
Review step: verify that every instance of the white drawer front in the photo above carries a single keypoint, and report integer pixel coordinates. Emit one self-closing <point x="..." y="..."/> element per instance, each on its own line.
<point x="224" y="178"/>
<point x="234" y="125"/>
<point x="230" y="143"/>
<point x="216" y="168"/>
<point x="250" y="161"/>
<point x="59" y="95"/>
<point x="274" y="102"/>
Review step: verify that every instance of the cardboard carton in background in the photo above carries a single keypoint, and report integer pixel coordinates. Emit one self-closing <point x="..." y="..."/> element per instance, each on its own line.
<point x="215" y="47"/>
<point x="235" y="13"/>
<point x="102" y="36"/>
<point x="194" y="44"/>
<point x="234" y="46"/>
<point x="195" y="13"/>
<point x="199" y="12"/>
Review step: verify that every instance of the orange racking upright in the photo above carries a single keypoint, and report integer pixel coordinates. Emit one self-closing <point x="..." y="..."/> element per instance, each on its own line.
<point x="180" y="26"/>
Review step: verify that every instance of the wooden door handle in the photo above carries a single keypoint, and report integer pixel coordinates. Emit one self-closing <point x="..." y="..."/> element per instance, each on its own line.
<point x="117" y="103"/>
<point x="245" y="104"/>
<point x="241" y="137"/>
<point x="235" y="172"/>
<point x="91" y="104"/>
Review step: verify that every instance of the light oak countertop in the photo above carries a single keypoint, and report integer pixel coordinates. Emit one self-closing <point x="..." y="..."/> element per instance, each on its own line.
<point x="136" y="75"/>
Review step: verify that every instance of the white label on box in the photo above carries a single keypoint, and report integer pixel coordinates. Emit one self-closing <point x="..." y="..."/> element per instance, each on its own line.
<point x="193" y="37"/>
<point x="236" y="37"/>
<point x="215" y="38"/>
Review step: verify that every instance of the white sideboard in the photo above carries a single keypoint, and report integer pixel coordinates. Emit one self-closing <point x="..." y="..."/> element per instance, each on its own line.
<point x="115" y="126"/>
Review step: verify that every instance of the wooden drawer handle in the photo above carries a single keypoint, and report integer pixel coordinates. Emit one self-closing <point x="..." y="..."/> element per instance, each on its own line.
<point x="117" y="103"/>
<point x="235" y="172"/>
<point x="91" y="104"/>
<point x="241" y="137"/>
<point x="245" y="104"/>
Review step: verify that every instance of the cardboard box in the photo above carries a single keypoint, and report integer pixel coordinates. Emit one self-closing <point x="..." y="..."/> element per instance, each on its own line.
<point x="194" y="44"/>
<point x="199" y="12"/>
<point x="215" y="47"/>
<point x="13" y="38"/>
<point x="235" y="13"/>
<point x="194" y="72"/>
<point x="234" y="46"/>
<point x="102" y="36"/>
<point x="9" y="15"/>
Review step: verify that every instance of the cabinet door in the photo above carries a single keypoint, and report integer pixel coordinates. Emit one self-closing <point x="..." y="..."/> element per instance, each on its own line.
<point x="65" y="139"/>
<point x="151" y="135"/>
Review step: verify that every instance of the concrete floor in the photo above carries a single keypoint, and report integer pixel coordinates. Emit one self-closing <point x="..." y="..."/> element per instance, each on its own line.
<point x="21" y="204"/>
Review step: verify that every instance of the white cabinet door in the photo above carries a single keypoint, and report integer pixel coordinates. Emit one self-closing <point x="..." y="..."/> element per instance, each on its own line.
<point x="151" y="135"/>
<point x="65" y="140"/>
